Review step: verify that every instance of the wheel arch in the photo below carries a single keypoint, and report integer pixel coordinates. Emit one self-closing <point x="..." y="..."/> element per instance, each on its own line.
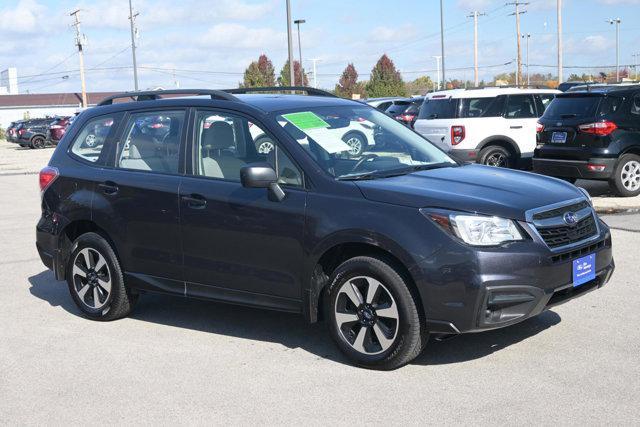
<point x="334" y="251"/>
<point x="500" y="140"/>
<point x="359" y="133"/>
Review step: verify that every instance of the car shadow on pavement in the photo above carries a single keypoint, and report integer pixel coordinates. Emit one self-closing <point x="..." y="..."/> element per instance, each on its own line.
<point x="290" y="330"/>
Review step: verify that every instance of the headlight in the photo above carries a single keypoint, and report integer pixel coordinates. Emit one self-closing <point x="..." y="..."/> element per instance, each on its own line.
<point x="586" y="194"/>
<point x="477" y="230"/>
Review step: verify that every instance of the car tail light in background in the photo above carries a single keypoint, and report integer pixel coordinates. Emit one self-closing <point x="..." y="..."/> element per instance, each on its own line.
<point x="21" y="131"/>
<point x="47" y="175"/>
<point x="457" y="134"/>
<point x="407" y="118"/>
<point x="596" y="168"/>
<point x="56" y="127"/>
<point x="598" y="128"/>
<point x="539" y="127"/>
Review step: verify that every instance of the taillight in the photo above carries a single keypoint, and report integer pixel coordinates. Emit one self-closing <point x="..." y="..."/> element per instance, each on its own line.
<point x="408" y="118"/>
<point x="21" y="131"/>
<point x="539" y="127"/>
<point x="47" y="175"/>
<point x="598" y="128"/>
<point x="55" y="127"/>
<point x="457" y="134"/>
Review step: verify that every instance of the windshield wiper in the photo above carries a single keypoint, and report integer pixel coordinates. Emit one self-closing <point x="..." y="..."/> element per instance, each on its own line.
<point x="358" y="176"/>
<point x="394" y="172"/>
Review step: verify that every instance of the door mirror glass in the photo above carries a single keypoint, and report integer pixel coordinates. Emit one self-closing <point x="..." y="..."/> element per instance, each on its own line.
<point x="258" y="175"/>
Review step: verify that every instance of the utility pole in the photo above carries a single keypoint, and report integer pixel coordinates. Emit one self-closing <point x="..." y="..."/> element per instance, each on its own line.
<point x="617" y="21"/>
<point x="315" y="74"/>
<point x="292" y="77"/>
<point x="298" y="22"/>
<point x="635" y="63"/>
<point x="560" y="76"/>
<point x="437" y="58"/>
<point x="527" y="37"/>
<point x="444" y="79"/>
<point x="517" y="13"/>
<point x="132" y="18"/>
<point x="475" y="15"/>
<point x="79" y="43"/>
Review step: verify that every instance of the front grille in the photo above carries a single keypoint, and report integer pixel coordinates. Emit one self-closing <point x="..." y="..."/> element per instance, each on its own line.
<point x="560" y="211"/>
<point x="564" y="235"/>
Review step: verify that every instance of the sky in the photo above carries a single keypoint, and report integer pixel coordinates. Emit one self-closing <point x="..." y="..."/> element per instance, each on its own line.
<point x="208" y="44"/>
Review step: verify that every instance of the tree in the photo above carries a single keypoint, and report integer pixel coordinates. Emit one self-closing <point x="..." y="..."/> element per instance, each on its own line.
<point x="285" y="80"/>
<point x="348" y="84"/>
<point x="420" y="86"/>
<point x="385" y="80"/>
<point x="260" y="73"/>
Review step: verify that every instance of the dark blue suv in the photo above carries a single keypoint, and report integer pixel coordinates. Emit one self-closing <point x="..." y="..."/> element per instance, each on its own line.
<point x="387" y="246"/>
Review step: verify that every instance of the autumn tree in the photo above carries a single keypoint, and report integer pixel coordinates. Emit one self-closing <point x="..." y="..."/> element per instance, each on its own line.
<point x="348" y="84"/>
<point x="420" y="86"/>
<point x="285" y="79"/>
<point x="385" y="80"/>
<point x="260" y="73"/>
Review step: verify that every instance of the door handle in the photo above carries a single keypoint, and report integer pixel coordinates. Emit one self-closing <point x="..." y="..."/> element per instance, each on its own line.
<point x="516" y="127"/>
<point x="194" y="201"/>
<point x="109" y="188"/>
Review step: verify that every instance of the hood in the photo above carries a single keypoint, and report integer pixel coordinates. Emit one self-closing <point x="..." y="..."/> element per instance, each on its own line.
<point x="471" y="188"/>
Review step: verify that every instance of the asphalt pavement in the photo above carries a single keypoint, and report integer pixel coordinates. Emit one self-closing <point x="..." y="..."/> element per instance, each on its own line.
<point x="181" y="361"/>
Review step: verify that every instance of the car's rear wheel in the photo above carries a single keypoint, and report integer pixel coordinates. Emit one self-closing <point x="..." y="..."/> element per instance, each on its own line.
<point x="95" y="279"/>
<point x="497" y="156"/>
<point x="264" y="145"/>
<point x="373" y="316"/>
<point x="90" y="141"/>
<point x="625" y="181"/>
<point x="37" y="142"/>
<point x="356" y="142"/>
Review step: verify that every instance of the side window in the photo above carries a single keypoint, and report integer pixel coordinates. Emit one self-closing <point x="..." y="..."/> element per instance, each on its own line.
<point x="226" y="142"/>
<point x="635" y="105"/>
<point x="546" y="100"/>
<point x="151" y="142"/>
<point x="480" y="107"/>
<point x="91" y="140"/>
<point x="520" y="107"/>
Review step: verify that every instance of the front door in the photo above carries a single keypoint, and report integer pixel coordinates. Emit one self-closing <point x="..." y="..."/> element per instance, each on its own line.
<point x="239" y="244"/>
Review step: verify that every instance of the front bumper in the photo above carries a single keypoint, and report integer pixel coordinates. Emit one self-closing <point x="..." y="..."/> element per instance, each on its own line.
<point x="574" y="168"/>
<point x="494" y="288"/>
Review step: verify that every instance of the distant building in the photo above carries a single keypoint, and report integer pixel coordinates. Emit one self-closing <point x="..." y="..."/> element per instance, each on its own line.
<point x="19" y="107"/>
<point x="9" y="82"/>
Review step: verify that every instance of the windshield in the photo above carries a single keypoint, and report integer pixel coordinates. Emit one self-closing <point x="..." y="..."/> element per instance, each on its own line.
<point x="360" y="142"/>
<point x="438" y="108"/>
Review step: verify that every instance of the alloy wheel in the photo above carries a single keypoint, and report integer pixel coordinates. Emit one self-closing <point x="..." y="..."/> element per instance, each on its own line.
<point x="91" y="278"/>
<point x="366" y="315"/>
<point x="356" y="145"/>
<point x="496" y="160"/>
<point x="630" y="175"/>
<point x="265" y="147"/>
<point x="90" y="141"/>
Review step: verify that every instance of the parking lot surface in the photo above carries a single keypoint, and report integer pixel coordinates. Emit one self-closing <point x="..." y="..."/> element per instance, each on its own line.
<point x="180" y="361"/>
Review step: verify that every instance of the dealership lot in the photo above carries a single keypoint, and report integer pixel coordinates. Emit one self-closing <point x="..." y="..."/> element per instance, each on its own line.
<point x="188" y="361"/>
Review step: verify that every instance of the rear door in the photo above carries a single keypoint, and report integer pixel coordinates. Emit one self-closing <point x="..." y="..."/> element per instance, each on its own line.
<point x="520" y="119"/>
<point x="239" y="243"/>
<point x="436" y="117"/>
<point x="137" y="198"/>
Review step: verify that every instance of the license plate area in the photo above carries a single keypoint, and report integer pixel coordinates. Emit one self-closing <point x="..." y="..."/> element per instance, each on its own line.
<point x="558" y="137"/>
<point x="584" y="270"/>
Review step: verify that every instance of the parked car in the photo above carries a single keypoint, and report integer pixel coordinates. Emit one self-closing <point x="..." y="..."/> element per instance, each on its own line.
<point x="383" y="104"/>
<point x="12" y="131"/>
<point x="57" y="129"/>
<point x="593" y="134"/>
<point x="386" y="248"/>
<point x="406" y="112"/>
<point x="32" y="133"/>
<point x="565" y="86"/>
<point x="491" y="126"/>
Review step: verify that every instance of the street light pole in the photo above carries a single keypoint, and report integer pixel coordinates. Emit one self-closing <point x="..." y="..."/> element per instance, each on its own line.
<point x="444" y="79"/>
<point x="527" y="37"/>
<point x="437" y="58"/>
<point x="292" y="77"/>
<point x="635" y="63"/>
<point x="315" y="73"/>
<point x="559" y="11"/>
<point x="298" y="22"/>
<point x="617" y="21"/>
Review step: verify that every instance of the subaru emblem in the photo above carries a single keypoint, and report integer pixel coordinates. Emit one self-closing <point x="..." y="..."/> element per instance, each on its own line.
<point x="570" y="218"/>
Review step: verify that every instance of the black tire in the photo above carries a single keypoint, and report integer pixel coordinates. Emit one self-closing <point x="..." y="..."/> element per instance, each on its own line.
<point x="410" y="331"/>
<point x="496" y="155"/>
<point x="37" y="142"/>
<point x="356" y="141"/>
<point x="264" y="145"/>
<point x="118" y="302"/>
<point x="625" y="181"/>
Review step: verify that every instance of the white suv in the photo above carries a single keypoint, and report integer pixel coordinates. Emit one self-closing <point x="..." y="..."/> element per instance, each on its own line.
<point x="493" y="126"/>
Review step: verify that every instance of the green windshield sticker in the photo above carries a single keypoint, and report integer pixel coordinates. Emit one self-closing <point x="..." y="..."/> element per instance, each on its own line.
<point x="306" y="120"/>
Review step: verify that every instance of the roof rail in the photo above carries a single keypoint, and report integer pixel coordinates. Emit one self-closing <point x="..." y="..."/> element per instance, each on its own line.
<point x="150" y="95"/>
<point x="311" y="91"/>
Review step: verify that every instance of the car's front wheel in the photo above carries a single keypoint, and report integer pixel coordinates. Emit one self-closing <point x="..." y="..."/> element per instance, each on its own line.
<point x="356" y="142"/>
<point x="625" y="181"/>
<point x="264" y="145"/>
<point x="95" y="279"/>
<point x="38" y="142"/>
<point x="373" y="316"/>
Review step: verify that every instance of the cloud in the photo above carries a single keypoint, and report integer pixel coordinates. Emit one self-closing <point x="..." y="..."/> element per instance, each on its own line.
<point x="389" y="34"/>
<point x="237" y="36"/>
<point x="620" y="2"/>
<point x="26" y="17"/>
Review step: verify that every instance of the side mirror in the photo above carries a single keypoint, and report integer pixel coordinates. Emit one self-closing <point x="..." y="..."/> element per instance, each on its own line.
<point x="262" y="175"/>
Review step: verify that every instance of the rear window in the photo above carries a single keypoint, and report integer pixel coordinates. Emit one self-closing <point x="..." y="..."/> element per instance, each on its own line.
<point x="398" y="107"/>
<point x="481" y="107"/>
<point x="440" y="108"/>
<point x="570" y="107"/>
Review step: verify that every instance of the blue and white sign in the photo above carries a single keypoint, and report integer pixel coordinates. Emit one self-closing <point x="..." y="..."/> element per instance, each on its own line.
<point x="584" y="270"/>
